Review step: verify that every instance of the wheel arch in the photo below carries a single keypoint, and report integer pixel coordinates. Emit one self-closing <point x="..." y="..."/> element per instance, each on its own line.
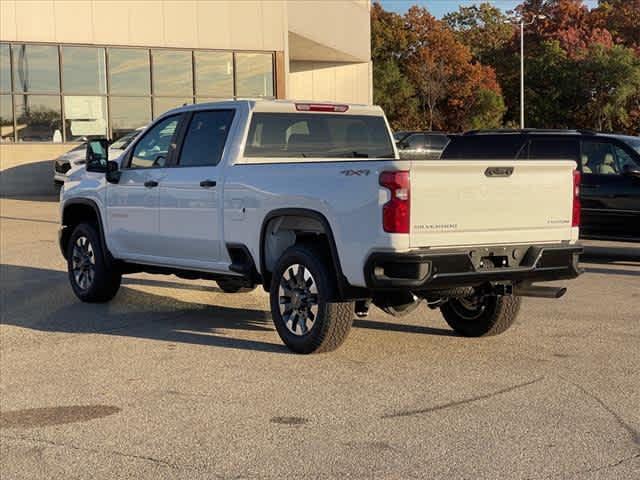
<point x="76" y="211"/>
<point x="313" y="215"/>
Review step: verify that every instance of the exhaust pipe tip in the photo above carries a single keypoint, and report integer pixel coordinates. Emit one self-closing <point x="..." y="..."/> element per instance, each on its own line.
<point x="539" y="292"/>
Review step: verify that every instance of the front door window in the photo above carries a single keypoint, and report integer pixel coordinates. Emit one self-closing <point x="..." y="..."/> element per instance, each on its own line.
<point x="152" y="151"/>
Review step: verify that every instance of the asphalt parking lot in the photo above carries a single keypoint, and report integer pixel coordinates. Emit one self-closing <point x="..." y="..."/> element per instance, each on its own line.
<point x="175" y="379"/>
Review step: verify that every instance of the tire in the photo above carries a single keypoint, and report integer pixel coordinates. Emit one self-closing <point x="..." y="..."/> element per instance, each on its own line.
<point x="303" y="298"/>
<point x="93" y="278"/>
<point x="492" y="315"/>
<point x="233" y="286"/>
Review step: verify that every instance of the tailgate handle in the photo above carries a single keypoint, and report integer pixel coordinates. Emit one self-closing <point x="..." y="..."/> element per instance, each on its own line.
<point x="498" y="171"/>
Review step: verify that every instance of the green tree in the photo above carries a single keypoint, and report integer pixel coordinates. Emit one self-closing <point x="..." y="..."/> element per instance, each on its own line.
<point x="488" y="110"/>
<point x="484" y="28"/>
<point x="610" y="84"/>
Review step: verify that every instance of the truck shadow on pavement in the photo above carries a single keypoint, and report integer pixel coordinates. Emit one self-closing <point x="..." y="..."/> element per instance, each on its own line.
<point x="41" y="299"/>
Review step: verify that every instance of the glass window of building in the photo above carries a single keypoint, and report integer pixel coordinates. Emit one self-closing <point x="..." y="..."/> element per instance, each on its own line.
<point x="214" y="74"/>
<point x="85" y="116"/>
<point x="35" y="69"/>
<point x="163" y="104"/>
<point x="5" y="68"/>
<point x="38" y="118"/>
<point x="128" y="114"/>
<point x="254" y="75"/>
<point x="129" y="71"/>
<point x="83" y="70"/>
<point x="6" y="119"/>
<point x="172" y="72"/>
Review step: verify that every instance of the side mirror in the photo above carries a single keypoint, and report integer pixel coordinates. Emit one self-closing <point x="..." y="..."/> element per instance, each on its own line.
<point x="113" y="172"/>
<point x="97" y="155"/>
<point x="631" y="171"/>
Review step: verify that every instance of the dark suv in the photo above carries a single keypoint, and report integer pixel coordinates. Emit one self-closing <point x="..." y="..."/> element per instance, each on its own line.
<point x="610" y="167"/>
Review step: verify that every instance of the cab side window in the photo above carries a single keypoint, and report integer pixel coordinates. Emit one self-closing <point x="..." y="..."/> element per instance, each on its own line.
<point x="205" y="138"/>
<point x="152" y="151"/>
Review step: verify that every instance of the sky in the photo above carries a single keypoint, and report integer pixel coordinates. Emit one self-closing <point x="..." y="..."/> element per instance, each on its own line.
<point x="440" y="8"/>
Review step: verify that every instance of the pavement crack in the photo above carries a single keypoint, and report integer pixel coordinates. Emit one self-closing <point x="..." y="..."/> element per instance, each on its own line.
<point x="408" y="413"/>
<point x="633" y="433"/>
<point x="611" y="465"/>
<point x="157" y="461"/>
<point x="599" y="468"/>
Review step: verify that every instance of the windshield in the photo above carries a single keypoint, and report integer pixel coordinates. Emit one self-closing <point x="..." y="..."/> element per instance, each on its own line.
<point x="123" y="142"/>
<point x="633" y="142"/>
<point x="309" y="135"/>
<point x="397" y="136"/>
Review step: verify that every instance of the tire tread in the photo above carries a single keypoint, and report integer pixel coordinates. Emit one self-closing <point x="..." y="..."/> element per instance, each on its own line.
<point x="501" y="317"/>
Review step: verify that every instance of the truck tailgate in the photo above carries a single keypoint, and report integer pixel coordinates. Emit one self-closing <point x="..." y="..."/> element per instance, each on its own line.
<point x="476" y="202"/>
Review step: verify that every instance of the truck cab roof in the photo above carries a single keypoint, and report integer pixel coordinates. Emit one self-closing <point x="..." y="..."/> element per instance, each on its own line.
<point x="285" y="106"/>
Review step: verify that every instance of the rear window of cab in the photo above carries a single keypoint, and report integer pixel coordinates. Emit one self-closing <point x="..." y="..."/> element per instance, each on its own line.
<point x="313" y="135"/>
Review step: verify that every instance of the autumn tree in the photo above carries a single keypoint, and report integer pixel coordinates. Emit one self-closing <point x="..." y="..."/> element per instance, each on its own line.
<point x="568" y="22"/>
<point x="391" y="87"/>
<point x="444" y="73"/>
<point x="622" y="19"/>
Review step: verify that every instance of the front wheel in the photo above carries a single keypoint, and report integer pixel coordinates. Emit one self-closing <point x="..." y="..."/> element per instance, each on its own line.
<point x="479" y="316"/>
<point x="303" y="306"/>
<point x="92" y="278"/>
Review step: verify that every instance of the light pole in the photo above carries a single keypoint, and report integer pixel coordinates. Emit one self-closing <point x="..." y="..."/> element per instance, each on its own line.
<point x="522" y="25"/>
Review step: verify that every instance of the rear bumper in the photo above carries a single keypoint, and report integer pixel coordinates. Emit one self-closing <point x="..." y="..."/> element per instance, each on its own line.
<point x="435" y="270"/>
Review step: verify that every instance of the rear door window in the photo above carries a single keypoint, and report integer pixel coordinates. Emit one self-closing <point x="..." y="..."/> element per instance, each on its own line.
<point x="308" y="135"/>
<point x="483" y="147"/>
<point x="553" y="148"/>
<point x="205" y="138"/>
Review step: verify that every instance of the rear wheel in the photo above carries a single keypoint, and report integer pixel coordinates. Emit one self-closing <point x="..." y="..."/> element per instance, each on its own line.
<point x="92" y="278"/>
<point x="478" y="316"/>
<point x="303" y="306"/>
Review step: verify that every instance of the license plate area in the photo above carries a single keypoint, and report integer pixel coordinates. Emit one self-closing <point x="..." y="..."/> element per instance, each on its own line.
<point x="493" y="258"/>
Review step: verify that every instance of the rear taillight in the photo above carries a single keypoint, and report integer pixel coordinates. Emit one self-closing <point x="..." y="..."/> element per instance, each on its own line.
<point x="396" y="212"/>
<point x="575" y="217"/>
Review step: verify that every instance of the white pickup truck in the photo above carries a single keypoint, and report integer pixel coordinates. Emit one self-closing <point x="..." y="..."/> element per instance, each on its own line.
<point x="312" y="202"/>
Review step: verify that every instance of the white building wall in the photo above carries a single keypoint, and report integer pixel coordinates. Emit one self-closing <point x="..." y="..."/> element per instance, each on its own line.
<point x="332" y="81"/>
<point x="241" y="25"/>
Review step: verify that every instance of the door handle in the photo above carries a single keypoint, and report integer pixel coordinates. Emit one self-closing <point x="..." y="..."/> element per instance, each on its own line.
<point x="208" y="183"/>
<point x="150" y="184"/>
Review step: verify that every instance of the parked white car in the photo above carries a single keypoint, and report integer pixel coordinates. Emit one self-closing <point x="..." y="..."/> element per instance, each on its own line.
<point x="75" y="158"/>
<point x="312" y="202"/>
